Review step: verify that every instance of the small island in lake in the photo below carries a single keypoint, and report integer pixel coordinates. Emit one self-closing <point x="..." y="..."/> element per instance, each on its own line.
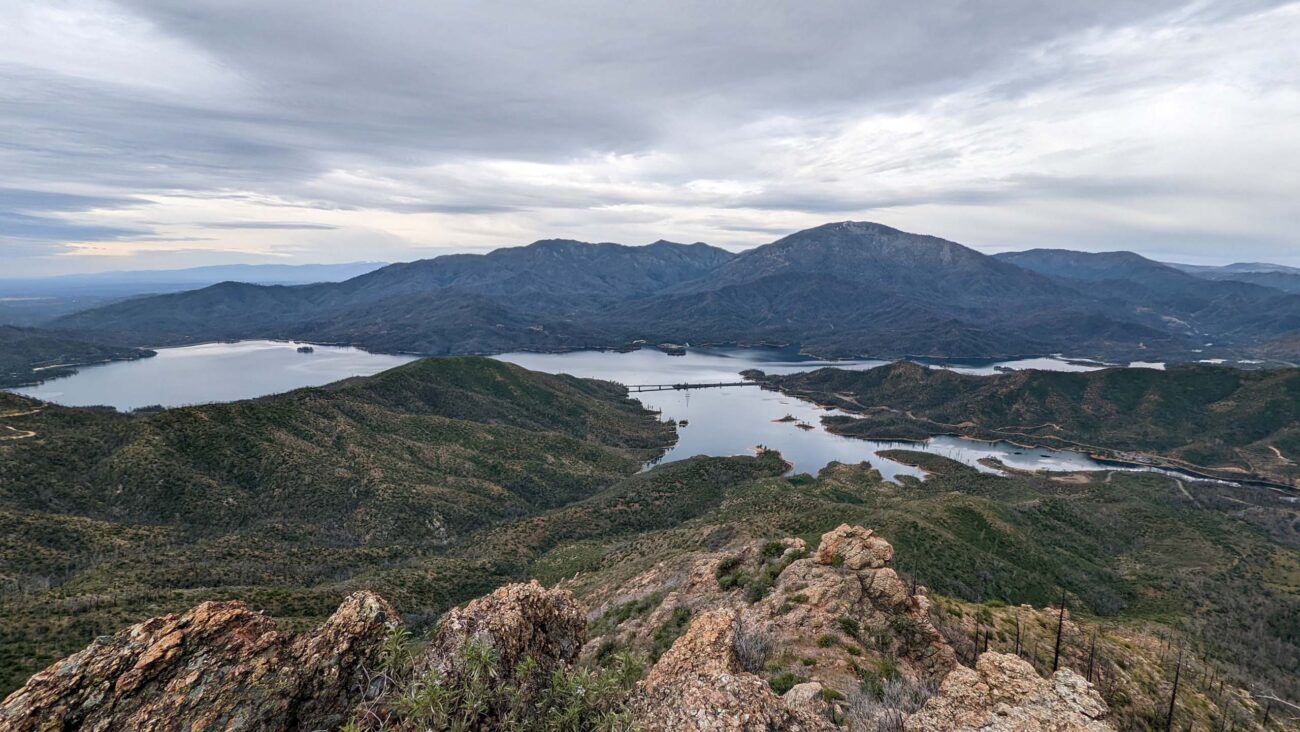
<point x="306" y="349"/>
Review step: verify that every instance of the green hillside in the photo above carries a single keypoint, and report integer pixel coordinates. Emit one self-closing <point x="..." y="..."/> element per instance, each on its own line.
<point x="1224" y="420"/>
<point x="280" y="494"/>
<point x="28" y="355"/>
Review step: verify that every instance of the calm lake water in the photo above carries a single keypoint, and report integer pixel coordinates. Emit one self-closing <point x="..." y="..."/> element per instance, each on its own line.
<point x="734" y="420"/>
<point x="212" y="372"/>
<point x="726" y="421"/>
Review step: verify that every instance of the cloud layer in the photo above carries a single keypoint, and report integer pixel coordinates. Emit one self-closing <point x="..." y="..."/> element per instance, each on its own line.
<point x="152" y="133"/>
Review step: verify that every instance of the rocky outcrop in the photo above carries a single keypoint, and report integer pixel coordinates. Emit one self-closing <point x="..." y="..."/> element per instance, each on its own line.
<point x="220" y="666"/>
<point x="518" y="621"/>
<point x="855" y="548"/>
<point x="822" y="628"/>
<point x="846" y="592"/>
<point x="699" y="685"/>
<point x="1004" y="694"/>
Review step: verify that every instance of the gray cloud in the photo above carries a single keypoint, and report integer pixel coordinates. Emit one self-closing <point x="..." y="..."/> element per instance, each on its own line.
<point x="271" y="225"/>
<point x="425" y="125"/>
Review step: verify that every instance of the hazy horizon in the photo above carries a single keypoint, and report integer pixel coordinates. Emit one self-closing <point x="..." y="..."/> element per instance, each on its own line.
<point x="1223" y="261"/>
<point x="161" y="134"/>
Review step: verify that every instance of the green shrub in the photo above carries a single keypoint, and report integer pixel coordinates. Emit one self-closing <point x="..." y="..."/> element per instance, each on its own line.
<point x="783" y="682"/>
<point x="850" y="627"/>
<point x="727" y="565"/>
<point x="733" y="581"/>
<point x="669" y="632"/>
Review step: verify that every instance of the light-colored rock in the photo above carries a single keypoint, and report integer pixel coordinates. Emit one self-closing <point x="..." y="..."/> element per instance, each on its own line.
<point x="854" y="547"/>
<point x="875" y="599"/>
<point x="217" y="667"/>
<point x="698" y="685"/>
<point x="808" y="698"/>
<point x="1004" y="694"/>
<point x="518" y="621"/>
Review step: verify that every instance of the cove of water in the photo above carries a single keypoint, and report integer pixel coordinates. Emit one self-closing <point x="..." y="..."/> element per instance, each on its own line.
<point x="735" y="420"/>
<point x="211" y="372"/>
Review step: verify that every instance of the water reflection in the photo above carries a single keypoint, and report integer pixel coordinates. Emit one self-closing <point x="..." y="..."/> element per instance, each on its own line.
<point x="736" y="420"/>
<point x="211" y="372"/>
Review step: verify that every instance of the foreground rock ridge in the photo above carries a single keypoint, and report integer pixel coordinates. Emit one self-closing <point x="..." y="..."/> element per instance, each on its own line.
<point x="220" y="666"/>
<point x="1004" y="693"/>
<point x="872" y="656"/>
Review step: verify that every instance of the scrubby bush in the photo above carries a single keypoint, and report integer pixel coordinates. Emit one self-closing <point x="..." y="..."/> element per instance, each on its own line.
<point x="783" y="682"/>
<point x="485" y="697"/>
<point x="886" y="708"/>
<point x="752" y="646"/>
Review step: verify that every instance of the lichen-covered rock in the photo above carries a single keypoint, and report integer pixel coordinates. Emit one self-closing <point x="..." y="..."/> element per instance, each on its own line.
<point x="808" y="698"/>
<point x="217" y="667"/>
<point x="854" y="547"/>
<point x="699" y="685"/>
<point x="832" y="593"/>
<point x="518" y="621"/>
<point x="1004" y="694"/>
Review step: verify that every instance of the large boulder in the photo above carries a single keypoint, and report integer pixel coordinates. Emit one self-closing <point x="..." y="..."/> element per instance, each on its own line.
<point x="699" y="684"/>
<point x="854" y="547"/>
<point x="517" y="621"/>
<point x="217" y="667"/>
<point x="1004" y="694"/>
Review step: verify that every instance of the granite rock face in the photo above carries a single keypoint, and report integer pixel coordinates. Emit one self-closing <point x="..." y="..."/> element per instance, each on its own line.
<point x="517" y="621"/>
<point x="219" y="666"/>
<point x="855" y="548"/>
<point x="1003" y="693"/>
<point x="699" y="684"/>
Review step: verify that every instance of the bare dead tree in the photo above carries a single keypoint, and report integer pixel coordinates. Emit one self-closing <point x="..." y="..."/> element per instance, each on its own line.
<point x="1060" y="626"/>
<point x="1173" y="696"/>
<point x="1092" y="654"/>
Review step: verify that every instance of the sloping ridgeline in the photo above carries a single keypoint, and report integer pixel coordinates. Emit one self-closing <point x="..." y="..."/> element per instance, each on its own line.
<point x="107" y="518"/>
<point x="28" y="355"/>
<point x="1229" y="421"/>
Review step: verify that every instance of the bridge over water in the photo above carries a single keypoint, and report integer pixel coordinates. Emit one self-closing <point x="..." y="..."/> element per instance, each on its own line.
<point x="685" y="387"/>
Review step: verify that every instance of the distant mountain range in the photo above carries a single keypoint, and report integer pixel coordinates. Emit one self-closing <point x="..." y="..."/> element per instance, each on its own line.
<point x="126" y="283"/>
<point x="840" y="289"/>
<point x="34" y="301"/>
<point x="1276" y="276"/>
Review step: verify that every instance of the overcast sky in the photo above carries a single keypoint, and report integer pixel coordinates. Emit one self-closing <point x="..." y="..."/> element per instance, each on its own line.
<point x="169" y="133"/>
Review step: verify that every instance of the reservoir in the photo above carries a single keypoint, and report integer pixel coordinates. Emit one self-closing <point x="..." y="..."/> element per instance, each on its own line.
<point x="720" y="421"/>
<point x="211" y="372"/>
<point x="736" y="420"/>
